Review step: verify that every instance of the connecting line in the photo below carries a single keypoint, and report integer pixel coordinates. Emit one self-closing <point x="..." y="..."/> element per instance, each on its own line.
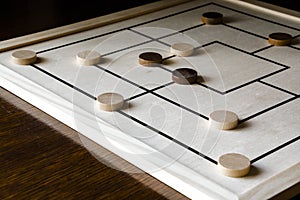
<point x="149" y="37"/>
<point x="210" y="88"/>
<point x="262" y="49"/>
<point x="168" y="137"/>
<point x="275" y="149"/>
<point x="190" y="28"/>
<point x="151" y="92"/>
<point x="79" y="41"/>
<point x="169" y="57"/>
<point x="267" y="109"/>
<point x="122" y="29"/>
<point x="278" y="88"/>
<point x="246" y="52"/>
<point x="179" y="105"/>
<point x="241" y="30"/>
<point x="297" y="48"/>
<point x="126" y="48"/>
<point x="148" y="91"/>
<point x="64" y="82"/>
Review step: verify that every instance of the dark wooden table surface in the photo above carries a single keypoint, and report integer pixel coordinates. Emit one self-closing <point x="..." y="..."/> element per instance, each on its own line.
<point x="40" y="158"/>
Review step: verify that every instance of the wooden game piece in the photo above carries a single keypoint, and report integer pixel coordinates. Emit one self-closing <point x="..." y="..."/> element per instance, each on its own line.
<point x="150" y="58"/>
<point x="234" y="165"/>
<point x="110" y="101"/>
<point x="184" y="76"/>
<point x="24" y="57"/>
<point x="88" y="57"/>
<point x="182" y="49"/>
<point x="223" y="120"/>
<point x="212" y="18"/>
<point x="280" y="39"/>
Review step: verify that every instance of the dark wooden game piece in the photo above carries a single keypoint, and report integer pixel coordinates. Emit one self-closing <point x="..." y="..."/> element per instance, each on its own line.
<point x="150" y="58"/>
<point x="212" y="18"/>
<point x="280" y="39"/>
<point x="184" y="76"/>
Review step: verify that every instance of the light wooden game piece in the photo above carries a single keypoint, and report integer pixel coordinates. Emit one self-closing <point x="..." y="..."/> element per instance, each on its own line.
<point x="184" y="76"/>
<point x="150" y="58"/>
<point x="110" y="101"/>
<point x="223" y="120"/>
<point x="24" y="57"/>
<point x="182" y="49"/>
<point x="234" y="165"/>
<point x="88" y="57"/>
<point x="280" y="39"/>
<point x="212" y="18"/>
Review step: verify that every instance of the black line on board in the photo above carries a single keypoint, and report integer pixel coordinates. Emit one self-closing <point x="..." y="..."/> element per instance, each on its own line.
<point x="296" y="36"/>
<point x="297" y="48"/>
<point x="275" y="149"/>
<point x="152" y="39"/>
<point x="262" y="49"/>
<point x="210" y="88"/>
<point x="144" y="93"/>
<point x="126" y="48"/>
<point x="166" y="69"/>
<point x="171" y="15"/>
<point x="120" y="77"/>
<point x="152" y="92"/>
<point x="253" y="81"/>
<point x="278" y="88"/>
<point x="135" y="96"/>
<point x="246" y="52"/>
<point x="207" y="44"/>
<point x="122" y="29"/>
<point x="79" y="41"/>
<point x="161" y="86"/>
<point x="168" y="137"/>
<point x="267" y="109"/>
<point x="169" y="57"/>
<point x="179" y="105"/>
<point x="190" y="28"/>
<point x="267" y="20"/>
<point x="241" y="30"/>
<point x="64" y="82"/>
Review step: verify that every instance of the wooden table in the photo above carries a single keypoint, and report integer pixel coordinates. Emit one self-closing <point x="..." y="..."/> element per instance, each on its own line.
<point x="42" y="158"/>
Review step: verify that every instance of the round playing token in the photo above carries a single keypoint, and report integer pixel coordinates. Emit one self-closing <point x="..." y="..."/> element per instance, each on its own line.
<point x="150" y="58"/>
<point x="182" y="49"/>
<point x="223" y="120"/>
<point x="110" y="101"/>
<point x="184" y="76"/>
<point x="88" y="57"/>
<point x="24" y="57"/>
<point x="212" y="18"/>
<point x="280" y="39"/>
<point x="234" y="165"/>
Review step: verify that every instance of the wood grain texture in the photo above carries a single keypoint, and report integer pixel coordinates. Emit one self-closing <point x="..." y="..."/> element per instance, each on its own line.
<point x="43" y="159"/>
